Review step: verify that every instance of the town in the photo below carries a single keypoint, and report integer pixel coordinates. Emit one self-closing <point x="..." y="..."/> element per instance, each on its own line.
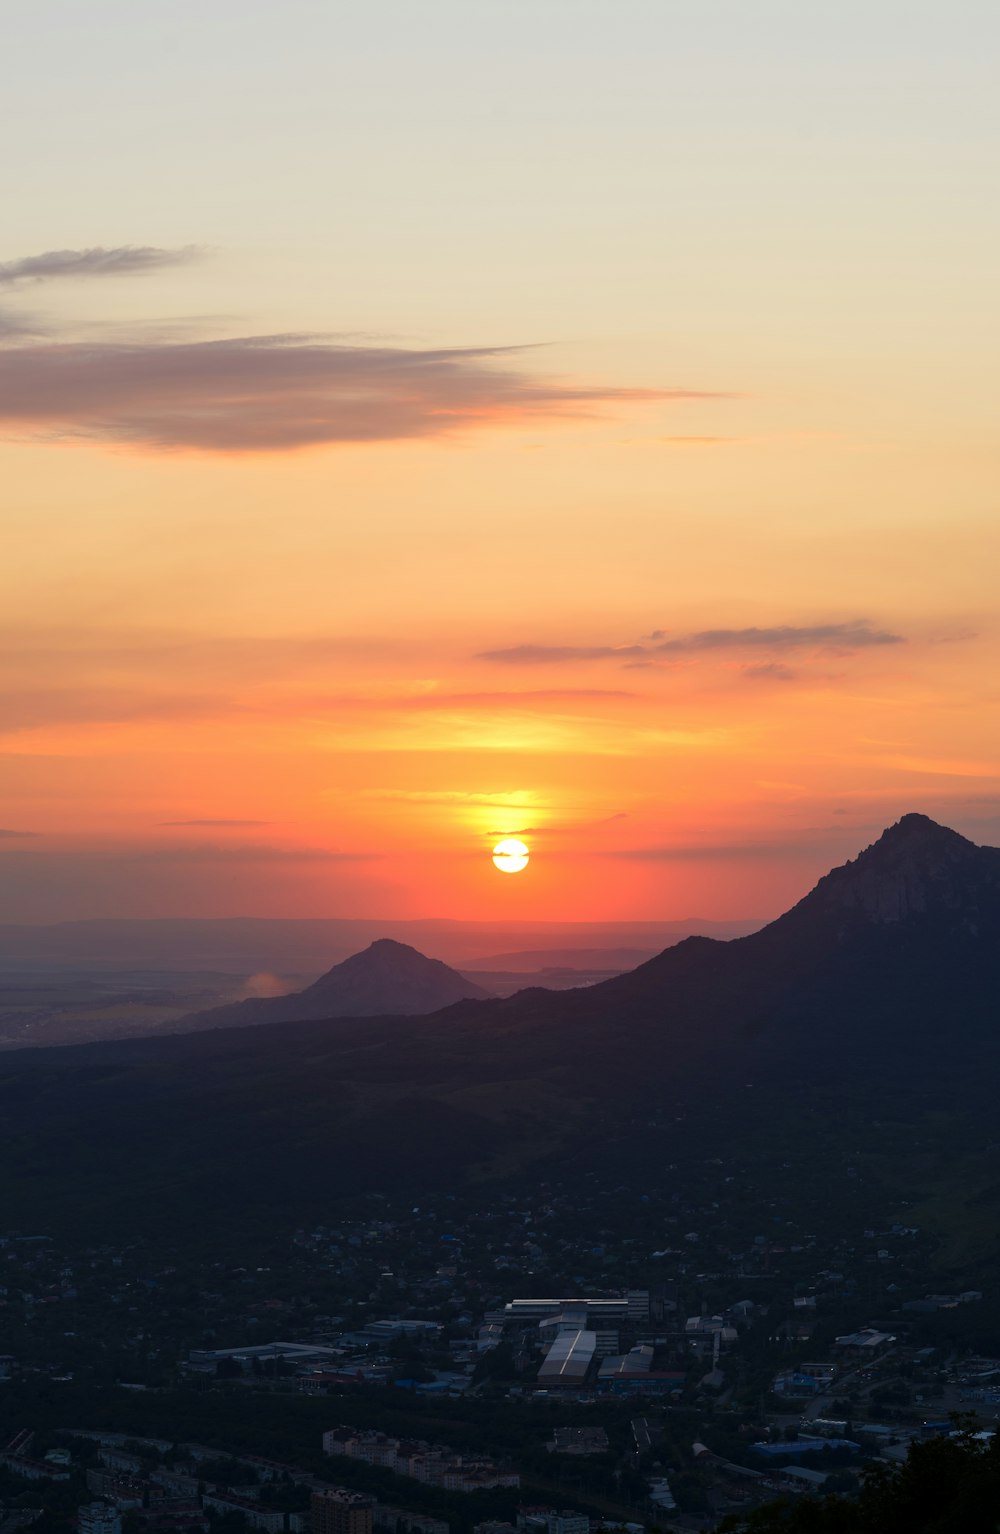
<point x="581" y="1355"/>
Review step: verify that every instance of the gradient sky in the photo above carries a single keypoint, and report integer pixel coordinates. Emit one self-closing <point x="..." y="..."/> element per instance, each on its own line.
<point x="422" y="423"/>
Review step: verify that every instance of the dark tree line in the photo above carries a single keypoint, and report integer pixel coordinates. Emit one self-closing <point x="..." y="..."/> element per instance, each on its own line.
<point x="945" y="1486"/>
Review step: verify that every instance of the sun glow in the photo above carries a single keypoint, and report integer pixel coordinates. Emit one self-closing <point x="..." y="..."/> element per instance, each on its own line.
<point x="510" y="856"/>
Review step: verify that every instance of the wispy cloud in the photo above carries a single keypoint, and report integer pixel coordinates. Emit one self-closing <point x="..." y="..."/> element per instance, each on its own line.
<point x="524" y="799"/>
<point x="18" y="326"/>
<point x="248" y="853"/>
<point x="192" y="852"/>
<point x="564" y="828"/>
<point x="38" y="708"/>
<point x="856" y="635"/>
<point x="548" y="654"/>
<point x="445" y="702"/>
<point x="840" y="638"/>
<point x="808" y="843"/>
<point x="6" y="834"/>
<point x="215" y="824"/>
<point x="769" y="671"/>
<point x="264" y="392"/>
<point x="278" y="392"/>
<point x="96" y="261"/>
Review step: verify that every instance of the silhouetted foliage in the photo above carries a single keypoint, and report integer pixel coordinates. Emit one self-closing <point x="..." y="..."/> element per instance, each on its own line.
<point x="946" y="1486"/>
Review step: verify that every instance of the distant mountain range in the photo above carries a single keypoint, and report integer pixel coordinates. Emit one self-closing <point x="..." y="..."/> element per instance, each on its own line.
<point x="388" y="979"/>
<point x="871" y="1010"/>
<point x="242" y="945"/>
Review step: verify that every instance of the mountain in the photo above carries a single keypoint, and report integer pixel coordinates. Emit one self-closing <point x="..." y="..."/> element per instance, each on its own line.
<point x="868" y="1015"/>
<point x="535" y="961"/>
<point x="904" y="936"/>
<point x="240" y="945"/>
<point x="388" y="979"/>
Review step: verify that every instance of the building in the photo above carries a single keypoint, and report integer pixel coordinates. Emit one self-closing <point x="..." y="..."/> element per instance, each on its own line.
<point x="801" y="1475"/>
<point x="796" y="1384"/>
<point x="601" y="1314"/>
<point x="296" y="1354"/>
<point x="117" y="1459"/>
<point x="335" y="1511"/>
<point x="34" y="1469"/>
<point x="576" y="1321"/>
<point x="800" y="1446"/>
<point x="434" y="1464"/>
<point x="123" y="1491"/>
<point x="546" y="1520"/>
<point x="398" y="1520"/>
<point x="567" y="1363"/>
<point x="267" y="1520"/>
<point x="866" y="1343"/>
<point x="634" y="1364"/>
<point x="638" y="1306"/>
<point x="633" y="1373"/>
<point x="98" y="1518"/>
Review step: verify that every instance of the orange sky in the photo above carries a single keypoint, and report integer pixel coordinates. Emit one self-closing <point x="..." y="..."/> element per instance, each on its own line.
<point x="576" y="431"/>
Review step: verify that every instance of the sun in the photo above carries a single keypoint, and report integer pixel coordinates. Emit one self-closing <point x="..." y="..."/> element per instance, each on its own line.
<point x="510" y="856"/>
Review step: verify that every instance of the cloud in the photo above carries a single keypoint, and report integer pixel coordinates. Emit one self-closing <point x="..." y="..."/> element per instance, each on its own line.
<point x="96" y="261"/>
<point x="56" y="657"/>
<point x="14" y="325"/>
<point x="769" y="671"/>
<point x="277" y="392"/>
<point x="548" y="654"/>
<point x="51" y="882"/>
<point x="7" y="835"/>
<point x="197" y="852"/>
<point x="444" y="702"/>
<point x="813" y="842"/>
<point x="215" y="823"/>
<point x="566" y="828"/>
<point x="247" y="853"/>
<point x="39" y="708"/>
<point x="520" y="798"/>
<point x="842" y="638"/>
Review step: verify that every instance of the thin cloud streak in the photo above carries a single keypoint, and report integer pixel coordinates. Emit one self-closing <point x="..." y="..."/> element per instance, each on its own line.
<point x="191" y="852"/>
<point x="805" y="845"/>
<point x="545" y="654"/>
<point x="769" y="671"/>
<point x="840" y="638"/>
<point x="214" y="824"/>
<point x="274" y="393"/>
<point x="96" y="261"/>
<point x="249" y="853"/>
<point x="39" y="709"/>
<point x="857" y="635"/>
<point x="443" y="702"/>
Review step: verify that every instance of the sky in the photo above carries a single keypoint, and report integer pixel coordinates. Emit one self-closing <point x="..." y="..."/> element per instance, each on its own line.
<point x="424" y="424"/>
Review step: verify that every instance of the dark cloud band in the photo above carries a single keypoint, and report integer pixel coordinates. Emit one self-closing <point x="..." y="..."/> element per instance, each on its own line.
<point x="97" y="261"/>
<point x="271" y="393"/>
<point x="840" y="637"/>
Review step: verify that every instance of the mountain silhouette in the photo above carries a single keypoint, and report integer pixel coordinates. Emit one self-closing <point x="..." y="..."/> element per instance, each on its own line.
<point x="387" y="979"/>
<point x="903" y="939"/>
<point x="874" y="1001"/>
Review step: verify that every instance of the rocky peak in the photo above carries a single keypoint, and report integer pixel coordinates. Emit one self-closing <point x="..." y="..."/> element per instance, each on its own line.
<point x="915" y="867"/>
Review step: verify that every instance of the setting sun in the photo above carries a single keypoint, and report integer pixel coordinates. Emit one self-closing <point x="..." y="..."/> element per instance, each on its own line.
<point x="510" y="856"/>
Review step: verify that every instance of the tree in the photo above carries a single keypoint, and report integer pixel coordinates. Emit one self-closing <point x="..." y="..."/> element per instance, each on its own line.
<point x="945" y="1486"/>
